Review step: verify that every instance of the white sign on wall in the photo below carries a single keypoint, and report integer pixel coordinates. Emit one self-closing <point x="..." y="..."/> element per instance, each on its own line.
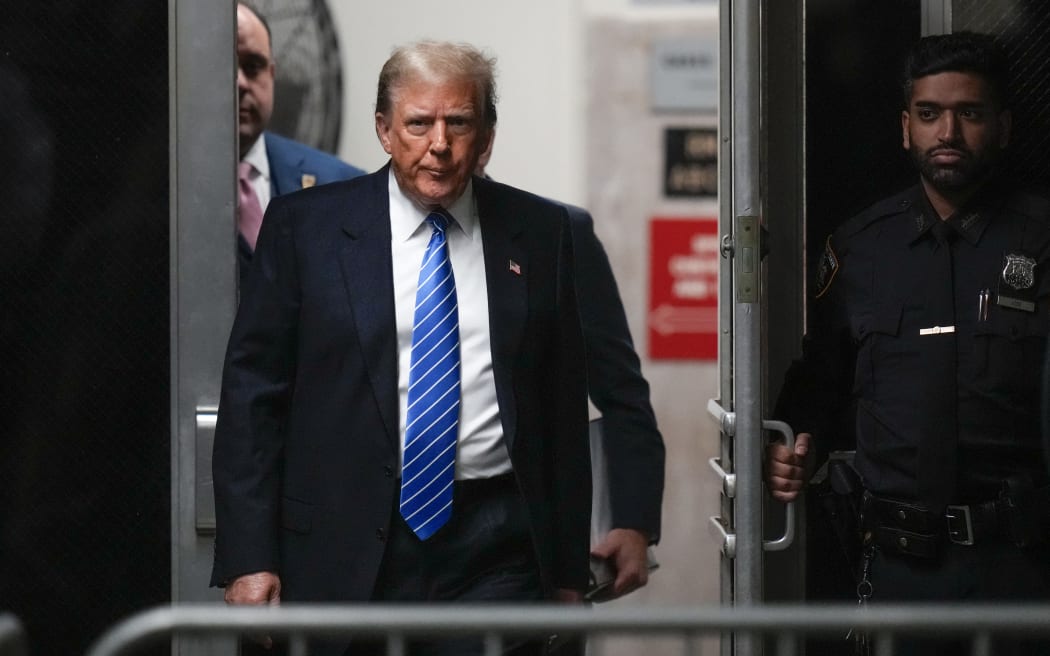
<point x="684" y="74"/>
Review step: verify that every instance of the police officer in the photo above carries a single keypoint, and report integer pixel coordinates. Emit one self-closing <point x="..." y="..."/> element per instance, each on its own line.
<point x="930" y="320"/>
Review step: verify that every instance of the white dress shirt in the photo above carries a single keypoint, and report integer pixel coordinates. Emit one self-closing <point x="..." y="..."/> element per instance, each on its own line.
<point x="481" y="451"/>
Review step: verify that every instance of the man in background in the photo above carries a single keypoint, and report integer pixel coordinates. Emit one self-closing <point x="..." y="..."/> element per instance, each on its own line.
<point x="270" y="164"/>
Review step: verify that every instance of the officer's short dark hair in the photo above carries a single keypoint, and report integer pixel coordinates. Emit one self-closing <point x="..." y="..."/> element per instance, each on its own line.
<point x="961" y="52"/>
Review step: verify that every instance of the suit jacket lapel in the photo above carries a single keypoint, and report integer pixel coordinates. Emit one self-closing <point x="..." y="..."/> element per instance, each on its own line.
<point x="368" y="276"/>
<point x="506" y="275"/>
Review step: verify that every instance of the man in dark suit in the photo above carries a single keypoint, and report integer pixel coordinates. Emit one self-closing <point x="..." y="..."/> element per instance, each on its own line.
<point x="320" y="385"/>
<point x="270" y="164"/>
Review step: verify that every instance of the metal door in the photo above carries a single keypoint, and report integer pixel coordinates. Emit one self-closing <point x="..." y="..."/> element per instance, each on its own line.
<point x="760" y="193"/>
<point x="759" y="170"/>
<point x="203" y="273"/>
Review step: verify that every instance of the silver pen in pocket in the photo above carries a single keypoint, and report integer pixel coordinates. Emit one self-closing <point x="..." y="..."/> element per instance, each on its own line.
<point x="982" y="304"/>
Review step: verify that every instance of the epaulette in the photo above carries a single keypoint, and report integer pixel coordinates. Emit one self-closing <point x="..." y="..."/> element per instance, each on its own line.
<point x="883" y="209"/>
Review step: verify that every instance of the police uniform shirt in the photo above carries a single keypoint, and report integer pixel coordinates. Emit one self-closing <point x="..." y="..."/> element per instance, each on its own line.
<point x="944" y="347"/>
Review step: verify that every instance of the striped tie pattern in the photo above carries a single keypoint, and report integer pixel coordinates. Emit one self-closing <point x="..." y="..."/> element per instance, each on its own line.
<point x="432" y="418"/>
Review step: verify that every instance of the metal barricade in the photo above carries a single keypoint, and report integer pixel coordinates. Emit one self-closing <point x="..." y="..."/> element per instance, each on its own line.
<point x="12" y="636"/>
<point x="785" y="623"/>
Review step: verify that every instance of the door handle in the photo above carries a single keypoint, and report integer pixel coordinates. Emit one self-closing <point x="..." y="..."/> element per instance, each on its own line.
<point x="727" y="423"/>
<point x="203" y="486"/>
<point x="785" y="540"/>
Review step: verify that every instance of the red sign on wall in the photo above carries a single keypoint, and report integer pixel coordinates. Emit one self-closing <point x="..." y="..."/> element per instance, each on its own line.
<point x="683" y="289"/>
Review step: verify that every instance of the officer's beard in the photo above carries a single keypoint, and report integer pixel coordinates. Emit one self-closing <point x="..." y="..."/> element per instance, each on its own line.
<point x="971" y="170"/>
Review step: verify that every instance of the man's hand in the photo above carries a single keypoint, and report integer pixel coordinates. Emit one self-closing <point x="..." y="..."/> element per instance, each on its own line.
<point x="786" y="468"/>
<point x="257" y="589"/>
<point x="625" y="550"/>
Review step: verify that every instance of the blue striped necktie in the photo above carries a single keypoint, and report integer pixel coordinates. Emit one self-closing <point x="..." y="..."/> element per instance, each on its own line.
<point x="432" y="418"/>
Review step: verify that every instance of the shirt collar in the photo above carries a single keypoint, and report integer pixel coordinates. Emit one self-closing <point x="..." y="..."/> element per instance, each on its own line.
<point x="969" y="221"/>
<point x="407" y="218"/>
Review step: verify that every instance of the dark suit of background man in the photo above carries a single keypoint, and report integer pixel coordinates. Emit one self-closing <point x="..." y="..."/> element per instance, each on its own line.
<point x="634" y="448"/>
<point x="277" y="165"/>
<point x="311" y="426"/>
<point x="930" y="321"/>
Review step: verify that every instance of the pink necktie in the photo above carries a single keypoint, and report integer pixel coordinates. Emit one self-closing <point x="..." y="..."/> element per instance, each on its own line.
<point x="249" y="211"/>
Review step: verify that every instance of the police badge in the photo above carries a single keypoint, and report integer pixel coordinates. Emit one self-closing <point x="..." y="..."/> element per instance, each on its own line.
<point x="1019" y="271"/>
<point x="1018" y="278"/>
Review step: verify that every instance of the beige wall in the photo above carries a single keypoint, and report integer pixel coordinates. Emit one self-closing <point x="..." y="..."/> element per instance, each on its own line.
<point x="624" y="156"/>
<point x="575" y="124"/>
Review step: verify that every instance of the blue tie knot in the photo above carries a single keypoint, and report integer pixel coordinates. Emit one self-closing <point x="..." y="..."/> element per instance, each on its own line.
<point x="438" y="220"/>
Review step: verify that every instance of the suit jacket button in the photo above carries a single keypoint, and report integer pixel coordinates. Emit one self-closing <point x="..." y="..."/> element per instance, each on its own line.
<point x="389" y="471"/>
<point x="380" y="534"/>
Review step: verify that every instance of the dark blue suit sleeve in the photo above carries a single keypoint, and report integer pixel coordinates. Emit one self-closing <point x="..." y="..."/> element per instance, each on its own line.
<point x="633" y="445"/>
<point x="257" y="385"/>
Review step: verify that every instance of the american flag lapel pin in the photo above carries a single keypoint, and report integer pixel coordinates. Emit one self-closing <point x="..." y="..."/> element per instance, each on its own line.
<point x="514" y="267"/>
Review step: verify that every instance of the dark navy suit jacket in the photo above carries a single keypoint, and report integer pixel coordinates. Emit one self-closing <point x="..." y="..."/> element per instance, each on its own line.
<point x="634" y="449"/>
<point x="307" y="440"/>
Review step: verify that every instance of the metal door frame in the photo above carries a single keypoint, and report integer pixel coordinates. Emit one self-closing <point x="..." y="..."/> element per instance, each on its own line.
<point x="203" y="130"/>
<point x="740" y="309"/>
<point x="745" y="207"/>
<point x="761" y="201"/>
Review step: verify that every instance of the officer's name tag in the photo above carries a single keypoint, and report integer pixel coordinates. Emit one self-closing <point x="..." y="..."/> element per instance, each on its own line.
<point x="937" y="330"/>
<point x="1015" y="303"/>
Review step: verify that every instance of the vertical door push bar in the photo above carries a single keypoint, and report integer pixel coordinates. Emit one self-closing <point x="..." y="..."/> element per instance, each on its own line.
<point x="727" y="423"/>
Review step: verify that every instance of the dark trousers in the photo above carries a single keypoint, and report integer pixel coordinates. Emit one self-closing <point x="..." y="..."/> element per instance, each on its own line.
<point x="994" y="570"/>
<point x="485" y="553"/>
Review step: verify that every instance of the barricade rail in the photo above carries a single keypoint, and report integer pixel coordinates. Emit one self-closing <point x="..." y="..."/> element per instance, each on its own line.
<point x="978" y="623"/>
<point x="12" y="636"/>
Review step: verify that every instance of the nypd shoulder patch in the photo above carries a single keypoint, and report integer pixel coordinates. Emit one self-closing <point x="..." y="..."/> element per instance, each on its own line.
<point x="827" y="267"/>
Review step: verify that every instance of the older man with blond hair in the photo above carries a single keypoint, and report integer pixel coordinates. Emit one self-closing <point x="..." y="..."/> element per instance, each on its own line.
<point x="403" y="413"/>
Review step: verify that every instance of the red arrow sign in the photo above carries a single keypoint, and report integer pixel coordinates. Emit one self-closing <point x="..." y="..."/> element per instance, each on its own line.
<point x="683" y="288"/>
<point x="668" y="319"/>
